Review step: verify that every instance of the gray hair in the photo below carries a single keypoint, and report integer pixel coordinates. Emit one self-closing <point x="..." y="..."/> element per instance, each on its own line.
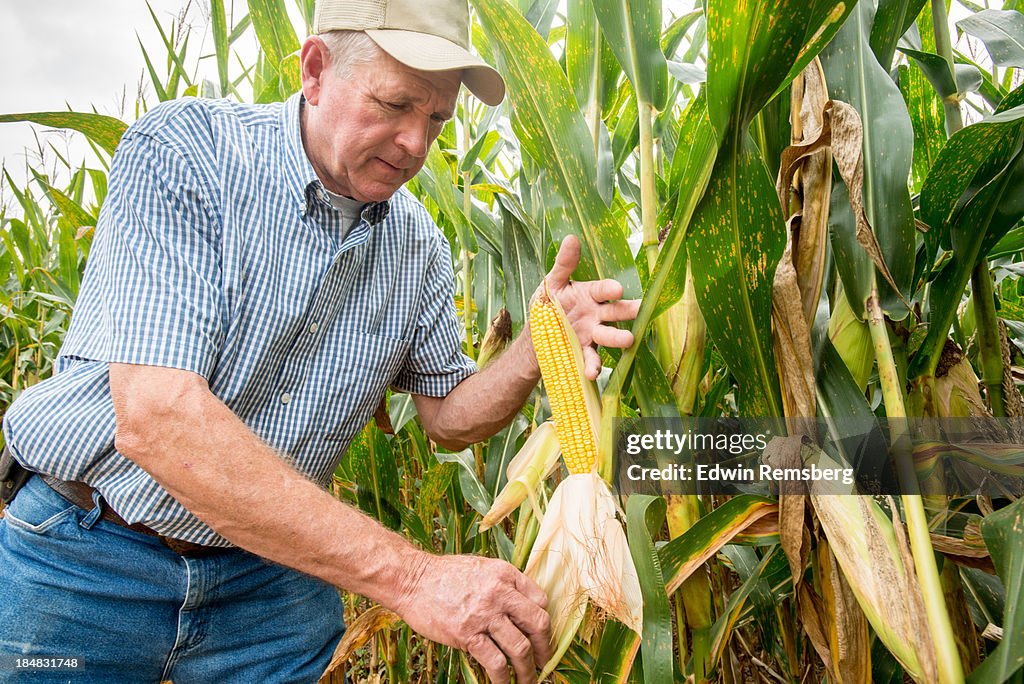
<point x="349" y="49"/>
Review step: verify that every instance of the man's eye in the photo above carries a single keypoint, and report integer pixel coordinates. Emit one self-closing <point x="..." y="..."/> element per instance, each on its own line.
<point x="394" y="106"/>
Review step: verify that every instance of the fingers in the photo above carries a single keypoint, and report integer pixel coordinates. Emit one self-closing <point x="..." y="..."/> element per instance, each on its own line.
<point x="528" y="588"/>
<point x="517" y="647"/>
<point x="603" y="290"/>
<point x="622" y="310"/>
<point x="490" y="657"/>
<point x="565" y="262"/>
<point x="607" y="336"/>
<point x="591" y="363"/>
<point x="533" y="621"/>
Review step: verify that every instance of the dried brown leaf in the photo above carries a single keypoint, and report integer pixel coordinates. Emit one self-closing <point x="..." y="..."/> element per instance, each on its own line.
<point x="805" y="183"/>
<point x="849" y="639"/>
<point x="848" y="150"/>
<point x="784" y="452"/>
<point x="357" y="633"/>
<point x="792" y="341"/>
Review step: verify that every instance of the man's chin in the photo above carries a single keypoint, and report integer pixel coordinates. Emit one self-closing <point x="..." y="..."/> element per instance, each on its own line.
<point x="377" y="192"/>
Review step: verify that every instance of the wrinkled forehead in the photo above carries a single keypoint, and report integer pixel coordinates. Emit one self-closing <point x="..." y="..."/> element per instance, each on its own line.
<point x="437" y="89"/>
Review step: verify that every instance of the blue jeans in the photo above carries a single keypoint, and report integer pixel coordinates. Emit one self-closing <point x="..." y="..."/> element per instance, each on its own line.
<point x="135" y="611"/>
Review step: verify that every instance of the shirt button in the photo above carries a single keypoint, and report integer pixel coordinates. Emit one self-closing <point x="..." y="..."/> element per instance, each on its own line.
<point x="286" y="397"/>
<point x="313" y="327"/>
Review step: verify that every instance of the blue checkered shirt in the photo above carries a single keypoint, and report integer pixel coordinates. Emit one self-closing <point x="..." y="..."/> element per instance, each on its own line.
<point x="218" y="252"/>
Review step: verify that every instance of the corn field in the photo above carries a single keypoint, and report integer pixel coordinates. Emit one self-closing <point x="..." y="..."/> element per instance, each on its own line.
<point x="820" y="204"/>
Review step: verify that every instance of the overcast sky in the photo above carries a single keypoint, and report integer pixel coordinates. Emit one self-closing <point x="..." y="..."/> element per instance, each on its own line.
<point x="85" y="53"/>
<point x="70" y="52"/>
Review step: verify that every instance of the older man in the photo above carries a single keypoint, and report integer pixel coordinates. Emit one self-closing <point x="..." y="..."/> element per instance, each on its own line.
<point x="259" y="277"/>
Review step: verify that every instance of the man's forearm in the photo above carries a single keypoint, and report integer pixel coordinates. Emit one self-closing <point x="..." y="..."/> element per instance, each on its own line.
<point x="485" y="402"/>
<point x="217" y="468"/>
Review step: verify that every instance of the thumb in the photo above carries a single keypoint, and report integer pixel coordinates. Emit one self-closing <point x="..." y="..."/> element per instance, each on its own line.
<point x="565" y="262"/>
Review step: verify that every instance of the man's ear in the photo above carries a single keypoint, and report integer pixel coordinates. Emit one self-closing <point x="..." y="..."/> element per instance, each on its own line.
<point x="313" y="60"/>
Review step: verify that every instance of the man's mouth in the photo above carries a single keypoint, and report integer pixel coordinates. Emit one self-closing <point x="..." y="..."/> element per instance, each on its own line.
<point x="391" y="166"/>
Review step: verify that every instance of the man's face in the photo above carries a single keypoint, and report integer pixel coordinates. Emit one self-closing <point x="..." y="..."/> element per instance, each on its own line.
<point x="370" y="133"/>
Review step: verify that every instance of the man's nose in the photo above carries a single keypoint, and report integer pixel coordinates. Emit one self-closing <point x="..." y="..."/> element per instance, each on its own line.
<point x="414" y="137"/>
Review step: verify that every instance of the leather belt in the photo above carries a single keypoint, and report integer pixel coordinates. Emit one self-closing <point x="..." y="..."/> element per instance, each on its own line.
<point x="80" y="494"/>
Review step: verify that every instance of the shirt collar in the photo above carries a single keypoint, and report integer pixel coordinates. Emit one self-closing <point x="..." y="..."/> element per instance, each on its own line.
<point x="301" y="174"/>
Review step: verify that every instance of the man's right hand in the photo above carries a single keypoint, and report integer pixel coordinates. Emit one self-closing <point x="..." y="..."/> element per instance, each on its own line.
<point x="483" y="606"/>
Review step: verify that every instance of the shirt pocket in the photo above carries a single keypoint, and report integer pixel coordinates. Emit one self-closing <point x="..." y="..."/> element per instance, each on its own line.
<point x="368" y="364"/>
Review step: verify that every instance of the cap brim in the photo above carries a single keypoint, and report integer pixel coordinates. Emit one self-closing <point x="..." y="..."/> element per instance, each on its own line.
<point x="432" y="53"/>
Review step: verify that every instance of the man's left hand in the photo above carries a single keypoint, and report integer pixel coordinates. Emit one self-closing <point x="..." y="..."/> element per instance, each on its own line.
<point x="589" y="305"/>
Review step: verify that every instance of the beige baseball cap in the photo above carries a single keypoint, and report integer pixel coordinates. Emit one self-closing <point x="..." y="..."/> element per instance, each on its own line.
<point x="429" y="35"/>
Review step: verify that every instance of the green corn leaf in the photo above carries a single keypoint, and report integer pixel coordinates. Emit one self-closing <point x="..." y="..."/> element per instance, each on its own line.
<point x="633" y="29"/>
<point x="1002" y="31"/>
<point x="539" y="14"/>
<point x="522" y="263"/>
<point x="928" y="119"/>
<point x="175" y="59"/>
<point x="688" y="179"/>
<point x="757" y="48"/>
<point x="644" y="517"/>
<point x="687" y="552"/>
<point x="968" y="76"/>
<point x="161" y="92"/>
<point x="892" y="20"/>
<point x="1004" y="536"/>
<point x="436" y="482"/>
<point x="72" y="213"/>
<point x="854" y="76"/>
<point x="105" y="131"/>
<point x="308" y="10"/>
<point x="627" y="131"/>
<point x="376" y="474"/>
<point x="219" y="28"/>
<point x="653" y="392"/>
<point x="773" y="570"/>
<point x="240" y="28"/>
<point x="501" y="449"/>
<point x="970" y="200"/>
<point x="736" y="239"/>
<point x="589" y="62"/>
<point x="619" y="645"/>
<point x="552" y="131"/>
<point x="473" y="491"/>
<point x="273" y="29"/>
<point x="737" y="234"/>
<point x="1014" y="99"/>
<point x="436" y="179"/>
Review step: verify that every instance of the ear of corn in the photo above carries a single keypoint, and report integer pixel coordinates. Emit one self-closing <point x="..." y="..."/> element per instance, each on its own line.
<point x="498" y="335"/>
<point x="575" y="404"/>
<point x="581" y="555"/>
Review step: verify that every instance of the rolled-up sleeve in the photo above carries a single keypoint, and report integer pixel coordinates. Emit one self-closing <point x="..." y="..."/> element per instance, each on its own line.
<point x="436" y="363"/>
<point x="153" y="293"/>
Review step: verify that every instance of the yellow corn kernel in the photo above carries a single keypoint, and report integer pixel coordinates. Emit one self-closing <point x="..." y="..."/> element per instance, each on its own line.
<point x="575" y="406"/>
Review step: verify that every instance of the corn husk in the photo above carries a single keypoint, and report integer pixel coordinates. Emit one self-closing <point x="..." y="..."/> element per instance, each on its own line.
<point x="875" y="558"/>
<point x="581" y="556"/>
<point x="531" y="466"/>
<point x="852" y="340"/>
<point x="497" y="337"/>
